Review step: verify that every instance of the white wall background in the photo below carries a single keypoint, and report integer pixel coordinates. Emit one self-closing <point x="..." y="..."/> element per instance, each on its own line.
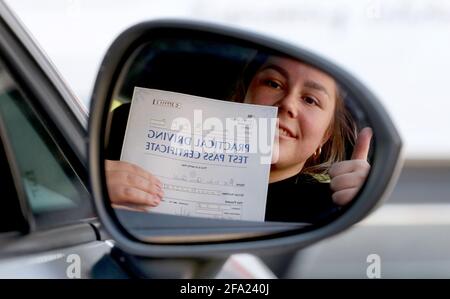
<point x="399" y="49"/>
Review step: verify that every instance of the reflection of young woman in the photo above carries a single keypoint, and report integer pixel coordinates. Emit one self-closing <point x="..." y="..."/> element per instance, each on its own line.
<point x="313" y="130"/>
<point x="314" y="127"/>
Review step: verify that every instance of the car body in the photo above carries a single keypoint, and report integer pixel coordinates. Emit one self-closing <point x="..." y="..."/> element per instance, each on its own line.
<point x="44" y="157"/>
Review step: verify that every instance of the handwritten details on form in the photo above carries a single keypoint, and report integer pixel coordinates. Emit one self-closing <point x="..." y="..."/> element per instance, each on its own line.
<point x="213" y="157"/>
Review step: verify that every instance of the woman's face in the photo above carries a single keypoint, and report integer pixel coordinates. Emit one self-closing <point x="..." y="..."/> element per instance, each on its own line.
<point x="305" y="98"/>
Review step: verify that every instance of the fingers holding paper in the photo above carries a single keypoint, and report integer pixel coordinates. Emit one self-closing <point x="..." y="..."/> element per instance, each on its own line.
<point x="130" y="186"/>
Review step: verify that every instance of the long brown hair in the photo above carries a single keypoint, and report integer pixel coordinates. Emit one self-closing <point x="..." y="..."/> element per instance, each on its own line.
<point x="342" y="131"/>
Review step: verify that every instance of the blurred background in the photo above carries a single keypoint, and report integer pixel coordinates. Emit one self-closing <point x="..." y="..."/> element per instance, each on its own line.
<point x="399" y="49"/>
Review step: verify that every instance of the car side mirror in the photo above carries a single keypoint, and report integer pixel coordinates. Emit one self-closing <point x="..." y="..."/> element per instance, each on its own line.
<point x="168" y="184"/>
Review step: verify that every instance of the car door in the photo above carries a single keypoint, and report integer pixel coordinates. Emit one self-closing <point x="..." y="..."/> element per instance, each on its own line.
<point x="47" y="224"/>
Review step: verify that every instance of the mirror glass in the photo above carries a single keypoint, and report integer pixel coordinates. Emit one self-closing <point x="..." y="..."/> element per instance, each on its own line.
<point x="230" y="133"/>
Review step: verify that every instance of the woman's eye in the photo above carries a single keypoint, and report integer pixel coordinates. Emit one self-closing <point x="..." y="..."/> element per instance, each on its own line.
<point x="310" y="101"/>
<point x="273" y="84"/>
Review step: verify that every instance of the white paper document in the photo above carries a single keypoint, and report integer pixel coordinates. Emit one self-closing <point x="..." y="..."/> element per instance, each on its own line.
<point x="213" y="157"/>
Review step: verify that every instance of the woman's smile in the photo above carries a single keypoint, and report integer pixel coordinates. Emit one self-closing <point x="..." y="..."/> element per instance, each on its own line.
<point x="285" y="132"/>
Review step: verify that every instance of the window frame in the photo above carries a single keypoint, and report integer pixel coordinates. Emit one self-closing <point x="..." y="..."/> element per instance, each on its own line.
<point x="50" y="107"/>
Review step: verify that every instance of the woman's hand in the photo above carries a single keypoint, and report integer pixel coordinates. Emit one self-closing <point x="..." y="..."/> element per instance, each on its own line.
<point x="129" y="186"/>
<point x="347" y="177"/>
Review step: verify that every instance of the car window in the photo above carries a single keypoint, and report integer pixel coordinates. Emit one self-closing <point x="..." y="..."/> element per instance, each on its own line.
<point x="51" y="184"/>
<point x="11" y="217"/>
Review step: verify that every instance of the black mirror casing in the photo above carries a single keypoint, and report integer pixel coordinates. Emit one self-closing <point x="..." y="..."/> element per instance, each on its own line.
<point x="384" y="172"/>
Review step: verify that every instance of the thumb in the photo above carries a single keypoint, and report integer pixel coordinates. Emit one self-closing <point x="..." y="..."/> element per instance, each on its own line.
<point x="362" y="146"/>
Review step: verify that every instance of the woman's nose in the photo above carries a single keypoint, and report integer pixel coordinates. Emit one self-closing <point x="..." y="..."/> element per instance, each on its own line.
<point x="289" y="105"/>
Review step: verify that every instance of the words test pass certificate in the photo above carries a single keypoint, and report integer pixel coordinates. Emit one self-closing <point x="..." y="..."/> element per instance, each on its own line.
<point x="213" y="157"/>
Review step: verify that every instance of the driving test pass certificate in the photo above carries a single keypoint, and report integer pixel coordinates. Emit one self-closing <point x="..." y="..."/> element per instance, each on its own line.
<point x="213" y="157"/>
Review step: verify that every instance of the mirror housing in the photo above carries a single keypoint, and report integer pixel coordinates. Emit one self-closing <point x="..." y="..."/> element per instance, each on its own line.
<point x="386" y="167"/>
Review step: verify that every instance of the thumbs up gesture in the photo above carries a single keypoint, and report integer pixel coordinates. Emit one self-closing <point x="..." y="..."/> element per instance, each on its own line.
<point x="347" y="177"/>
